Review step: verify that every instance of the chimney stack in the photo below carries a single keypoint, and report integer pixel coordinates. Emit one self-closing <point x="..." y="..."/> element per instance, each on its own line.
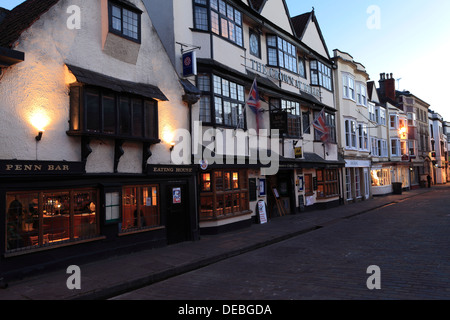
<point x="387" y="85"/>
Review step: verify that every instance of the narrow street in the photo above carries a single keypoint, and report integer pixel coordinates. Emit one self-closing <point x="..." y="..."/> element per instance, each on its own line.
<point x="408" y="241"/>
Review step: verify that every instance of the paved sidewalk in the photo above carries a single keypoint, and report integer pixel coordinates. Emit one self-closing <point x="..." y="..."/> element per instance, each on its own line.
<point x="109" y="277"/>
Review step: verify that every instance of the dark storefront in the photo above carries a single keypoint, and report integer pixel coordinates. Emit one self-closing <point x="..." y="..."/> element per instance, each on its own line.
<point x="53" y="214"/>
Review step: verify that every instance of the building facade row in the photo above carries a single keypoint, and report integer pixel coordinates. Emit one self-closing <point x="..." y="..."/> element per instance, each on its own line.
<point x="133" y="124"/>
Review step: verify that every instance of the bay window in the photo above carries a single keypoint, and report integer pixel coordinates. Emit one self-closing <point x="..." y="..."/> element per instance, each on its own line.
<point x="363" y="137"/>
<point x="98" y="111"/>
<point x="294" y="115"/>
<point x="411" y="119"/>
<point x="350" y="134"/>
<point x="361" y="94"/>
<point x="222" y="102"/>
<point x="393" y="121"/>
<point x="381" y="177"/>
<point x="348" y="83"/>
<point x="403" y="148"/>
<point x="372" y="113"/>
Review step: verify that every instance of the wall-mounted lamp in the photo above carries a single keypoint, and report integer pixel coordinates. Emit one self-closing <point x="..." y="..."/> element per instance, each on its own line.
<point x="39" y="136"/>
<point x="172" y="145"/>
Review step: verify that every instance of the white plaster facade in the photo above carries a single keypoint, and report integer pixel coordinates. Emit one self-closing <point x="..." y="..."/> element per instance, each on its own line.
<point x="218" y="55"/>
<point x="439" y="147"/>
<point x="355" y="132"/>
<point x="38" y="87"/>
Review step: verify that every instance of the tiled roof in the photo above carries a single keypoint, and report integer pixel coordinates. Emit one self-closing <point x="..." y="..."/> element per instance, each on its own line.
<point x="118" y="85"/>
<point x="299" y="23"/>
<point x="257" y="5"/>
<point x="21" y="18"/>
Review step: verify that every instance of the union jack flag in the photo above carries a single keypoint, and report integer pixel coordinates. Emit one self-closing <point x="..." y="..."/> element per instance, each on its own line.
<point x="254" y="104"/>
<point x="320" y="124"/>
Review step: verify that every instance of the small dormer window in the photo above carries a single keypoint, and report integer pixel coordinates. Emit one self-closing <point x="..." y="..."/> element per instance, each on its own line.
<point x="125" y="20"/>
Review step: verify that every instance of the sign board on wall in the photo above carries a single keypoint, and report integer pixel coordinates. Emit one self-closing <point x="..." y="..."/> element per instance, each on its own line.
<point x="298" y="152"/>
<point x="19" y="167"/>
<point x="176" y="195"/>
<point x="189" y="64"/>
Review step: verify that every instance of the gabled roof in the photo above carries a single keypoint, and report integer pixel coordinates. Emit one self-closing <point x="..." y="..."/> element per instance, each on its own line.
<point x="370" y="88"/>
<point x="300" y="24"/>
<point x="21" y="18"/>
<point x="3" y="13"/>
<point x="257" y="5"/>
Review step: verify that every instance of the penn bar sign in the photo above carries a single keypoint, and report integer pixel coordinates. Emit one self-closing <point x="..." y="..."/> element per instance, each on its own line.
<point x="17" y="167"/>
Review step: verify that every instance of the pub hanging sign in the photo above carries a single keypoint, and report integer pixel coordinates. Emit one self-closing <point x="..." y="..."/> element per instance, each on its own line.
<point x="23" y="167"/>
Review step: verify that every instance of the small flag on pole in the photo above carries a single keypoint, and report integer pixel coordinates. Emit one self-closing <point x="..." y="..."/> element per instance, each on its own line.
<point x="255" y="105"/>
<point x="320" y="124"/>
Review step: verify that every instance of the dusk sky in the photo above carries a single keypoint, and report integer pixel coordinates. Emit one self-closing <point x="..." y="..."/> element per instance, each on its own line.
<point x="405" y="38"/>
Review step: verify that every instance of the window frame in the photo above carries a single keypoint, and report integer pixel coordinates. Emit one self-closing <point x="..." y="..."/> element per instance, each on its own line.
<point x="123" y="6"/>
<point x="309" y="187"/>
<point x="43" y="238"/>
<point x="328" y="180"/>
<point x="350" y="129"/>
<point x="363" y="137"/>
<point x="348" y="86"/>
<point x="290" y="51"/>
<point x="397" y="147"/>
<point x="232" y="98"/>
<point x="330" y="120"/>
<point x="222" y="16"/>
<point x="140" y="218"/>
<point x="149" y="123"/>
<point x="394" y="118"/>
<point x="361" y="94"/>
<point x="348" y="184"/>
<point x="253" y="32"/>
<point x="318" y="75"/>
<point x="293" y="110"/>
<point x="221" y="191"/>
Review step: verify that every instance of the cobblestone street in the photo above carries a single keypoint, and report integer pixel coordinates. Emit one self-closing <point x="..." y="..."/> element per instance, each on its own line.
<point x="408" y="240"/>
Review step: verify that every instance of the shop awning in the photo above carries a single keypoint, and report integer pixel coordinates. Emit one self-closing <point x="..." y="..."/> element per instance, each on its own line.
<point x="117" y="85"/>
<point x="310" y="160"/>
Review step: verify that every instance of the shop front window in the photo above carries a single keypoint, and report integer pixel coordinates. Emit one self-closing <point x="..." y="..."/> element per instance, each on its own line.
<point x="327" y="183"/>
<point x="224" y="193"/>
<point x="140" y="208"/>
<point x="381" y="177"/>
<point x="37" y="219"/>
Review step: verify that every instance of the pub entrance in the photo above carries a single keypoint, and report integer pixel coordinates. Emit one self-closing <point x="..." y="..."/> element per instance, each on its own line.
<point x="282" y="186"/>
<point x="177" y="214"/>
